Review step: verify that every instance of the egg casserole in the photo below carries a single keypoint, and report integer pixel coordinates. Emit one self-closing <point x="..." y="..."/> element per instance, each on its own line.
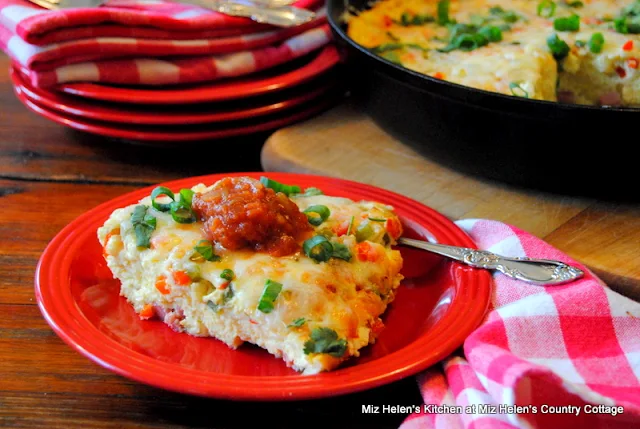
<point x="584" y="52"/>
<point x="303" y="275"/>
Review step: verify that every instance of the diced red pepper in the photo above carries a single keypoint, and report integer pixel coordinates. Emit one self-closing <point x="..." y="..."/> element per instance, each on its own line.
<point x="621" y="72"/>
<point x="366" y="252"/>
<point x="632" y="63"/>
<point x="393" y="228"/>
<point x="181" y="278"/>
<point x="387" y="21"/>
<point x="161" y="285"/>
<point x="147" y="312"/>
<point x="628" y="45"/>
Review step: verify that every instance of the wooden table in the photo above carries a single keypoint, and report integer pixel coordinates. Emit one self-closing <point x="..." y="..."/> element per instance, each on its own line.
<point x="49" y="175"/>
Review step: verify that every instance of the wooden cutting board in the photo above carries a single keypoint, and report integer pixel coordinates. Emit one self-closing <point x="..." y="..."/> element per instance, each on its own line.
<point x="347" y="144"/>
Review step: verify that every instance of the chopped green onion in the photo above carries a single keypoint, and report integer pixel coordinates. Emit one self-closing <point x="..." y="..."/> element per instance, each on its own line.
<point x="620" y="25"/>
<point x="557" y="46"/>
<point x="341" y="251"/>
<point x="279" y="187"/>
<point x="269" y="294"/>
<point x="318" y="248"/>
<point x="546" y="9"/>
<point x="205" y="249"/>
<point x="493" y="34"/>
<point x="517" y="90"/>
<point x="311" y="192"/>
<point x="323" y="213"/>
<point x="392" y="36"/>
<point x="377" y="219"/>
<point x="363" y="232"/>
<point x="297" y="323"/>
<point x="182" y="212"/>
<point x="213" y="306"/>
<point x="406" y="20"/>
<point x="596" y="43"/>
<point x="506" y="15"/>
<point x="443" y="12"/>
<point x="575" y="4"/>
<point x="161" y="190"/>
<point x="350" y="227"/>
<point x="571" y="23"/>
<point x="228" y="294"/>
<point x="227" y="274"/>
<point x="581" y="43"/>
<point x="386" y="47"/>
<point x="186" y="195"/>
<point x="195" y="274"/>
<point x="466" y="42"/>
<point x="143" y="225"/>
<point x="325" y="340"/>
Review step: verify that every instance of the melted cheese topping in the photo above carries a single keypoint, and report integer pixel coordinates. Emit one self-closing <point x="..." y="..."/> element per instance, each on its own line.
<point x="345" y="296"/>
<point x="521" y="58"/>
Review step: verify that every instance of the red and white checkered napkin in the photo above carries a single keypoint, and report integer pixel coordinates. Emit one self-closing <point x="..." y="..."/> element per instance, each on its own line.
<point x="148" y="42"/>
<point x="573" y="345"/>
<point x="170" y="71"/>
<point x="144" y="19"/>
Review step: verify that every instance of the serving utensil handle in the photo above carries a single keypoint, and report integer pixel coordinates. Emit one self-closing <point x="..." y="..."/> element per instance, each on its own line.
<point x="543" y="272"/>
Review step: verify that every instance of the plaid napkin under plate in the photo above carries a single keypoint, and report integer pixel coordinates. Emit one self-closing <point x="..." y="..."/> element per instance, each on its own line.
<point x="541" y="348"/>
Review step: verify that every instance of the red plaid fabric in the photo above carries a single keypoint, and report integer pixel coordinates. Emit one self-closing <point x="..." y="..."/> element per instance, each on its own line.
<point x="143" y="19"/>
<point x="50" y="57"/>
<point x="543" y="349"/>
<point x="150" y="71"/>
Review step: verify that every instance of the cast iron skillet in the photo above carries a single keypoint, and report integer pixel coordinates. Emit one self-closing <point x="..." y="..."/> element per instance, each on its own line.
<point x="562" y="148"/>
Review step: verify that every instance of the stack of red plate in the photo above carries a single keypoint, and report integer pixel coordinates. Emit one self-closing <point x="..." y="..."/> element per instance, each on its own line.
<point x="229" y="108"/>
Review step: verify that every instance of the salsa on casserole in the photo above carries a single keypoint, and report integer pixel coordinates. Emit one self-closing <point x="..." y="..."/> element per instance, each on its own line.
<point x="304" y="275"/>
<point x="584" y="52"/>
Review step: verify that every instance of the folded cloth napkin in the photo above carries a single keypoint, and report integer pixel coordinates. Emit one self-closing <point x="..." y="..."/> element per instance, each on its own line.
<point x="576" y="345"/>
<point x="144" y="19"/>
<point x="51" y="56"/>
<point x="150" y="71"/>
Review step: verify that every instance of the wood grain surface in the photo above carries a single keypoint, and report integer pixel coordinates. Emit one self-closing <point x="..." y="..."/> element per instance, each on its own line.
<point x="48" y="176"/>
<point x="345" y="143"/>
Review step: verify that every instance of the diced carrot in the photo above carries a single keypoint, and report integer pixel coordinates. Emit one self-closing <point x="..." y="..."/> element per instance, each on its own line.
<point x="393" y="227"/>
<point x="181" y="278"/>
<point x="632" y="63"/>
<point x="224" y="285"/>
<point x="438" y="75"/>
<point x="628" y="45"/>
<point x="147" y="312"/>
<point x="161" y="285"/>
<point x="253" y="322"/>
<point x="387" y="21"/>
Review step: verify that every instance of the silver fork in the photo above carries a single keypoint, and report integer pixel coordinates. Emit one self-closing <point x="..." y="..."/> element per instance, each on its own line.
<point x="279" y="13"/>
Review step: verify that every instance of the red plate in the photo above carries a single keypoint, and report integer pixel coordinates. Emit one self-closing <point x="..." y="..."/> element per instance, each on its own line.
<point x="182" y="115"/>
<point x="232" y="89"/>
<point x="148" y="133"/>
<point x="437" y="306"/>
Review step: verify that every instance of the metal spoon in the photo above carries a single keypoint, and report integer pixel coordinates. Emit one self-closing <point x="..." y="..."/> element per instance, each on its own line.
<point x="541" y="272"/>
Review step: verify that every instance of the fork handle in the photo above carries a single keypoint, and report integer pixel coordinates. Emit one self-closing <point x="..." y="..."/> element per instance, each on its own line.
<point x="542" y="272"/>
